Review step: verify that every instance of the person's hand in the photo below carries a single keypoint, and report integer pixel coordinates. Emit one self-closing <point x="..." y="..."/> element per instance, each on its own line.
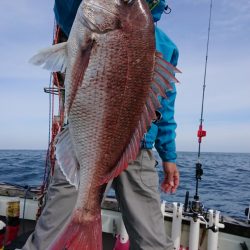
<point x="171" y="179"/>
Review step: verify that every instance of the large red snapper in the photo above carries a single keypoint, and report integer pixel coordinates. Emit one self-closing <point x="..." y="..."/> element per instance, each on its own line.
<point x="113" y="77"/>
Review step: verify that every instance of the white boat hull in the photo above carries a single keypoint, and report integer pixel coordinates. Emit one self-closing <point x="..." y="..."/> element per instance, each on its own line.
<point x="112" y="224"/>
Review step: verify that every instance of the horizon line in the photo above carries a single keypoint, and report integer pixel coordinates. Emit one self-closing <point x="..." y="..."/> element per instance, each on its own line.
<point x="178" y="151"/>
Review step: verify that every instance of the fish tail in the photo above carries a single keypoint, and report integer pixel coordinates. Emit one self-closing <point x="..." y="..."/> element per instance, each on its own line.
<point x="80" y="235"/>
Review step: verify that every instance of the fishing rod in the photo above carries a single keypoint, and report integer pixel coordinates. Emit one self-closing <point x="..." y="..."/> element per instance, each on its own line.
<point x="196" y="206"/>
<point x="202" y="133"/>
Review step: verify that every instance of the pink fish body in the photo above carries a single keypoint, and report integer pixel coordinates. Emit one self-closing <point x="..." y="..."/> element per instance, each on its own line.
<point x="111" y="96"/>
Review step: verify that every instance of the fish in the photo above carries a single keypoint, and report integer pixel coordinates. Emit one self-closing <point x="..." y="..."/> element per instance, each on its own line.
<point x="113" y="77"/>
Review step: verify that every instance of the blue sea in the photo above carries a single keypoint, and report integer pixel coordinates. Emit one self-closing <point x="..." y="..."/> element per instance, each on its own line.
<point x="225" y="184"/>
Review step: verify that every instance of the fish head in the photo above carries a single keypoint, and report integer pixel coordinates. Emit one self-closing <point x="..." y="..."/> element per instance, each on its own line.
<point x="105" y="15"/>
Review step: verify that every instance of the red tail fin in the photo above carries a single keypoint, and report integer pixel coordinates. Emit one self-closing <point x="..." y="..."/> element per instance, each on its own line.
<point x="85" y="235"/>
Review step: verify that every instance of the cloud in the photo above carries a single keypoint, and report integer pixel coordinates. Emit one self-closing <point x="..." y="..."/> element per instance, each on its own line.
<point x="229" y="18"/>
<point x="26" y="26"/>
<point x="20" y="17"/>
<point x="227" y="103"/>
<point x="195" y="2"/>
<point x="232" y="16"/>
<point x="242" y="7"/>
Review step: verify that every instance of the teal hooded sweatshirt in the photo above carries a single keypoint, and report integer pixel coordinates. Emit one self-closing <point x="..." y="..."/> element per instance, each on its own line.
<point x="162" y="132"/>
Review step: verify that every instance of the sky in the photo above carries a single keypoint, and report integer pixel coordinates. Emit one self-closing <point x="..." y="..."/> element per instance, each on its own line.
<point x="27" y="26"/>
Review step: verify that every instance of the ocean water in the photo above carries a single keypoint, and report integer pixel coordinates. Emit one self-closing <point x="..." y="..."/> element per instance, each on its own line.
<point x="225" y="184"/>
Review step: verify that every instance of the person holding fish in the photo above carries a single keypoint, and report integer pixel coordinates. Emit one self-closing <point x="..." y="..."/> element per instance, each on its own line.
<point x="119" y="70"/>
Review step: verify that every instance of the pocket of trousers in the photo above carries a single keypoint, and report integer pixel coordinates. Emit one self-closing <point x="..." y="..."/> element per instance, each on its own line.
<point x="148" y="171"/>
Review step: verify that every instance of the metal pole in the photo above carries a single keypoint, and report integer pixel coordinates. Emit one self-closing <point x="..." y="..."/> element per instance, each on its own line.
<point x="212" y="241"/>
<point x="176" y="224"/>
<point x="194" y="234"/>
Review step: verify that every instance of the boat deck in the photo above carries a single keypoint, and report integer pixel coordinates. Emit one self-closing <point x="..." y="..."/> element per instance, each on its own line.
<point x="108" y="242"/>
<point x="233" y="236"/>
<point x="27" y="227"/>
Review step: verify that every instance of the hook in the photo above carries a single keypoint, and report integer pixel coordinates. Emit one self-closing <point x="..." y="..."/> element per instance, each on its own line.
<point x="167" y="10"/>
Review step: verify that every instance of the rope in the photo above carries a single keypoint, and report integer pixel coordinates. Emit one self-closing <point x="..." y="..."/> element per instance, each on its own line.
<point x="54" y="128"/>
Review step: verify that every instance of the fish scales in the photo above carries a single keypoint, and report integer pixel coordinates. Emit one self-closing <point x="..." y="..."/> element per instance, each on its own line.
<point x="109" y="102"/>
<point x="107" y="108"/>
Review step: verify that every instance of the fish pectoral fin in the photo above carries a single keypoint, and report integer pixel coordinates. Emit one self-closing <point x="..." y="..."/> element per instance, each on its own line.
<point x="53" y="58"/>
<point x="66" y="158"/>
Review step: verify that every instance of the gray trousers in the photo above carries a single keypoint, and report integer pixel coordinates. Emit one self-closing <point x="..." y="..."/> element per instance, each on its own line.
<point x="139" y="199"/>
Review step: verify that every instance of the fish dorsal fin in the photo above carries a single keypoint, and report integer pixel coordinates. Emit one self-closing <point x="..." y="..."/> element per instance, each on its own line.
<point x="53" y="58"/>
<point x="66" y="158"/>
<point x="162" y="79"/>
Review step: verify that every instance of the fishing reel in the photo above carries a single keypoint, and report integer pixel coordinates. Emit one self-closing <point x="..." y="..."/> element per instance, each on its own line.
<point x="195" y="208"/>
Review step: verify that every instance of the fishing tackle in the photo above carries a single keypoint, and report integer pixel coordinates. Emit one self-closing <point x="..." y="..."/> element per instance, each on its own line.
<point x="167" y="10"/>
<point x="195" y="208"/>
